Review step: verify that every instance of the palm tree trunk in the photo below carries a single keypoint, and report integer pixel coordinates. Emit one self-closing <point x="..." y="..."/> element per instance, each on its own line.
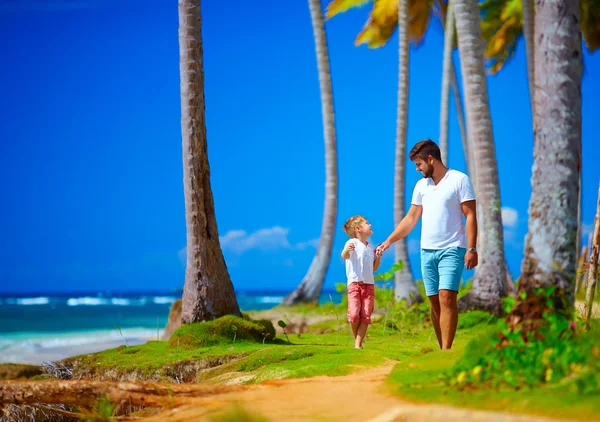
<point x="208" y="292"/>
<point x="310" y="287"/>
<point x="467" y="147"/>
<point x="449" y="81"/>
<point x="593" y="266"/>
<point x="405" y="287"/>
<point x="489" y="283"/>
<point x="447" y="68"/>
<point x="550" y="252"/>
<point x="449" y="76"/>
<point x="528" y="32"/>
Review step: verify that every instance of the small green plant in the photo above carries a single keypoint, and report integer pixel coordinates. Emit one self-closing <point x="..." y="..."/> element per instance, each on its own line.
<point x="532" y="351"/>
<point x="282" y="324"/>
<point x="234" y="329"/>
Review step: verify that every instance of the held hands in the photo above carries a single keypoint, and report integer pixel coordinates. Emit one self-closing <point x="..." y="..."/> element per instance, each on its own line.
<point x="471" y="260"/>
<point x="381" y="248"/>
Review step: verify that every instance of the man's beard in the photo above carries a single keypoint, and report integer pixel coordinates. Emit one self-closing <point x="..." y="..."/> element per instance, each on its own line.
<point x="427" y="173"/>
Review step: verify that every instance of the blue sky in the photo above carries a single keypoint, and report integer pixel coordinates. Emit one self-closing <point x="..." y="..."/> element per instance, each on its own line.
<point x="90" y="151"/>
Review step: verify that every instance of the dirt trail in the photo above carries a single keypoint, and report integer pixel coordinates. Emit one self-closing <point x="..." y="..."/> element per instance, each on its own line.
<point x="360" y="396"/>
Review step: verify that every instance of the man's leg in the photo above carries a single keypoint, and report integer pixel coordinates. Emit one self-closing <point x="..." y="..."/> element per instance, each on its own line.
<point x="434" y="301"/>
<point x="448" y="317"/>
<point x="431" y="280"/>
<point x="451" y="265"/>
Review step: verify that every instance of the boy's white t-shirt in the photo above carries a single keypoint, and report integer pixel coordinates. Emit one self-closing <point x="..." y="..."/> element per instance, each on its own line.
<point x="442" y="226"/>
<point x="359" y="266"/>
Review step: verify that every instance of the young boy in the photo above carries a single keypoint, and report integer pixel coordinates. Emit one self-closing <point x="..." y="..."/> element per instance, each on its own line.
<point x="361" y="261"/>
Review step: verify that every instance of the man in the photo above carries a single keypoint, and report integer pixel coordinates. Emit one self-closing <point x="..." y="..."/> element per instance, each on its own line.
<point x="442" y="197"/>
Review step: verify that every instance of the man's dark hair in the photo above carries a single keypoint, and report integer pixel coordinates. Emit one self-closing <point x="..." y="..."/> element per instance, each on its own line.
<point x="424" y="149"/>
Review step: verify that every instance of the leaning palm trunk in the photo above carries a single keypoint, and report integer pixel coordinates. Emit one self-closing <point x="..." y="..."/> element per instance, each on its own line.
<point x="550" y="252"/>
<point x="405" y="287"/>
<point x="593" y="266"/>
<point x="208" y="292"/>
<point x="528" y="32"/>
<point x="449" y="81"/>
<point x="310" y="287"/>
<point x="489" y="283"/>
<point x="447" y="68"/>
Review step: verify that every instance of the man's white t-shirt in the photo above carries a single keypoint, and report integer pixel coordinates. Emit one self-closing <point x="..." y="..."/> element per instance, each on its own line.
<point x="442" y="225"/>
<point x="359" y="267"/>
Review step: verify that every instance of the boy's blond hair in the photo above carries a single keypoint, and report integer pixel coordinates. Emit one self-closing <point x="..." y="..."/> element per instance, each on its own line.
<point x="352" y="223"/>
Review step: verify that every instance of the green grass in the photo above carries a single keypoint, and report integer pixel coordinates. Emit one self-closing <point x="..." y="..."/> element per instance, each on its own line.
<point x="420" y="380"/>
<point x="308" y="355"/>
<point x="222" y="331"/>
<point x="328" y="350"/>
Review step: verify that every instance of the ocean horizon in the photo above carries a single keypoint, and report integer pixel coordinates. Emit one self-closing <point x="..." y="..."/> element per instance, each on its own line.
<point x="43" y="326"/>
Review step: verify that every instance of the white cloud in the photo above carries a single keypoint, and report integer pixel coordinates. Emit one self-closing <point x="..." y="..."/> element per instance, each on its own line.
<point x="510" y="217"/>
<point x="238" y="242"/>
<point x="309" y="243"/>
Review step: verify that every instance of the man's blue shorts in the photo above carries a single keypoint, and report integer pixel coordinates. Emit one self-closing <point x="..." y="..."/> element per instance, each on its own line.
<point x="442" y="269"/>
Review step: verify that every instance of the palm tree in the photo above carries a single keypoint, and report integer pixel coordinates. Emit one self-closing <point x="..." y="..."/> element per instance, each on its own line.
<point x="208" y="292"/>
<point x="382" y="23"/>
<point x="503" y="23"/>
<point x="448" y="80"/>
<point x="411" y="18"/>
<point x="310" y="287"/>
<point x="405" y="287"/>
<point x="489" y="282"/>
<point x="550" y="253"/>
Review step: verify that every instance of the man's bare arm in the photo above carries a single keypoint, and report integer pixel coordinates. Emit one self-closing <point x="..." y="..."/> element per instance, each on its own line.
<point x="404" y="227"/>
<point x="469" y="209"/>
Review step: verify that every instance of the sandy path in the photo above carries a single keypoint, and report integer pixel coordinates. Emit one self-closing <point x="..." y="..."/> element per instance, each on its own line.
<point x="357" y="397"/>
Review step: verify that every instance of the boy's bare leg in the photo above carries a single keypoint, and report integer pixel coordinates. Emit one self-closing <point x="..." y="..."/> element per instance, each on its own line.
<point x="435" y="317"/>
<point x="360" y="335"/>
<point x="448" y="317"/>
<point x="354" y="326"/>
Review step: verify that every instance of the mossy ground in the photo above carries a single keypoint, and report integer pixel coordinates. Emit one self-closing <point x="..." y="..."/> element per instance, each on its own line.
<point x="17" y="371"/>
<point x="207" y="352"/>
<point x="306" y="355"/>
<point x="420" y="380"/>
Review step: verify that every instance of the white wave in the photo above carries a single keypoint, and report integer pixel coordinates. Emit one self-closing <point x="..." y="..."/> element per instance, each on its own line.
<point x="120" y="301"/>
<point x="270" y="299"/>
<point x="87" y="301"/>
<point x="162" y="300"/>
<point x="32" y="301"/>
<point x="38" y="340"/>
